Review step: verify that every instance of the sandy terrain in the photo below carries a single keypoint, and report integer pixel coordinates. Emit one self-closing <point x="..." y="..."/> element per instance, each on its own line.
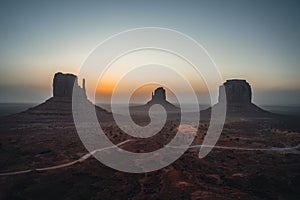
<point x="43" y="158"/>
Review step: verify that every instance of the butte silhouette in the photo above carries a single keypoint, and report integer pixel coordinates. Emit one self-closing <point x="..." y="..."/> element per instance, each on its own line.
<point x="158" y="97"/>
<point x="60" y="104"/>
<point x="238" y="96"/>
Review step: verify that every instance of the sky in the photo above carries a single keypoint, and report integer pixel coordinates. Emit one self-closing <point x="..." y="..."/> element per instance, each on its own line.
<point x="253" y="40"/>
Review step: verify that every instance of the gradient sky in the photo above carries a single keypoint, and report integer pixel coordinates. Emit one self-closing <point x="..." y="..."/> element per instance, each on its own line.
<point x="254" y="40"/>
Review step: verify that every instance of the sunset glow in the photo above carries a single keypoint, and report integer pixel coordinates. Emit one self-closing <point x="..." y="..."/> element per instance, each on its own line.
<point x="260" y="44"/>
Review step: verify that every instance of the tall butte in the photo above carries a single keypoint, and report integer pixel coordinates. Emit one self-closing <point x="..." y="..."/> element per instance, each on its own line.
<point x="237" y="92"/>
<point x="63" y="85"/>
<point x="238" y="96"/>
<point x="61" y="103"/>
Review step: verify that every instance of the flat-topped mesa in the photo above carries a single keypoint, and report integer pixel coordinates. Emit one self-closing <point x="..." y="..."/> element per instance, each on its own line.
<point x="61" y="105"/>
<point x="238" y="96"/>
<point x="63" y="85"/>
<point x="237" y="91"/>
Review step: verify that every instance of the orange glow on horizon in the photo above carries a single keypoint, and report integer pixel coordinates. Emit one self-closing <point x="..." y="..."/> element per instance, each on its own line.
<point x="105" y="87"/>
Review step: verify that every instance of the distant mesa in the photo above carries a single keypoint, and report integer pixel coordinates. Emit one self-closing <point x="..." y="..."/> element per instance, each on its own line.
<point x="63" y="85"/>
<point x="61" y="102"/>
<point x="238" y="96"/>
<point x="237" y="91"/>
<point x="140" y="114"/>
<point x="158" y="97"/>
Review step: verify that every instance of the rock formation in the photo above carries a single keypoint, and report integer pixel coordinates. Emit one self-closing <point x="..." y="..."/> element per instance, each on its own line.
<point x="63" y="85"/>
<point x="140" y="113"/>
<point x="159" y="97"/>
<point x="60" y="105"/>
<point x="237" y="91"/>
<point x="238" y="100"/>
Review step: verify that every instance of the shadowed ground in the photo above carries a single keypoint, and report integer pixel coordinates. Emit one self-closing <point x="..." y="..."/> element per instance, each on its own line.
<point x="256" y="157"/>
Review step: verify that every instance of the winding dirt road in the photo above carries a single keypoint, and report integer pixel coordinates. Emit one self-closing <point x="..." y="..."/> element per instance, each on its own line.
<point x="88" y="155"/>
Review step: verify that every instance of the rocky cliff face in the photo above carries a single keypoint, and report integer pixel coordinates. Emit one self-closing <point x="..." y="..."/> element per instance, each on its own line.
<point x="238" y="96"/>
<point x="59" y="107"/>
<point x="159" y="95"/>
<point x="237" y="91"/>
<point x="63" y="85"/>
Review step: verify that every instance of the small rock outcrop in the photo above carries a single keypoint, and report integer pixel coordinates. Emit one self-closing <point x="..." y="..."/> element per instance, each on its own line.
<point x="63" y="85"/>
